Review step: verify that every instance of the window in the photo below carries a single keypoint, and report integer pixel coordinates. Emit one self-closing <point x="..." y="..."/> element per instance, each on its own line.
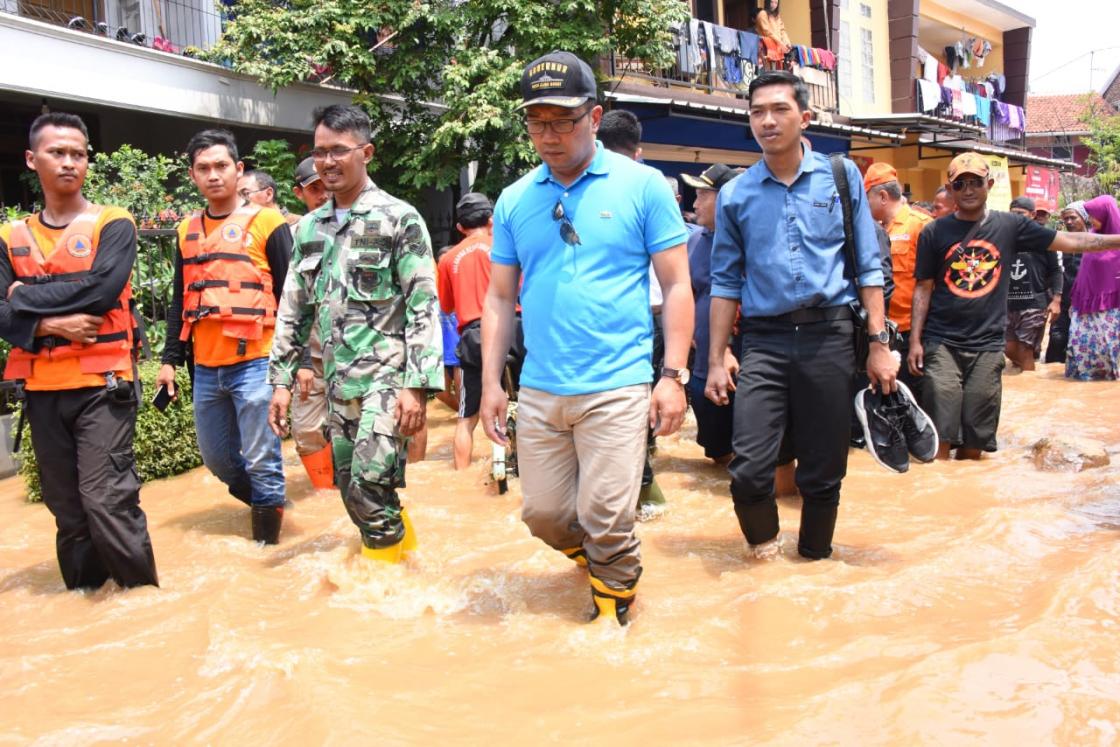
<point x="867" y="60"/>
<point x="865" y="10"/>
<point x="844" y="61"/>
<point x="843" y="4"/>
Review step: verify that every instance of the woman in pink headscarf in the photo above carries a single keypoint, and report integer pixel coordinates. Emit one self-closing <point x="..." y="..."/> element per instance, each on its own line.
<point x="1094" y="335"/>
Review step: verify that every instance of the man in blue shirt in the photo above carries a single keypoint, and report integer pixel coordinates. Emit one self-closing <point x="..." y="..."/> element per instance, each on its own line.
<point x="713" y="422"/>
<point x="580" y="230"/>
<point x="779" y="251"/>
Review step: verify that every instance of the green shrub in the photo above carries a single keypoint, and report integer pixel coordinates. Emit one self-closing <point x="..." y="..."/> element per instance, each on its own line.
<point x="165" y="442"/>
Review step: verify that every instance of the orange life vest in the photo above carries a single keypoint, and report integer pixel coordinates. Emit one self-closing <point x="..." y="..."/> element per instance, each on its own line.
<point x="220" y="280"/>
<point x="70" y="261"/>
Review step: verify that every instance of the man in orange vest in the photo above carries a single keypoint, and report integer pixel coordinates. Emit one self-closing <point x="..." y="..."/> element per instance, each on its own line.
<point x="229" y="271"/>
<point x="903" y="225"/>
<point x="64" y="307"/>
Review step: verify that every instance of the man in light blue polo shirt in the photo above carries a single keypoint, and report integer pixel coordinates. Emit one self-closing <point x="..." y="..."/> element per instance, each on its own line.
<point x="580" y="231"/>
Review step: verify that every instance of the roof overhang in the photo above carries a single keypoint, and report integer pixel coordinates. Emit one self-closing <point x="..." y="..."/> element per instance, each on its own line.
<point x="1015" y="156"/>
<point x="923" y="124"/>
<point x="740" y="114"/>
<point x="990" y="12"/>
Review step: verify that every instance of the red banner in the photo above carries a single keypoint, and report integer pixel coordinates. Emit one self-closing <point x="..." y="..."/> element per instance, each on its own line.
<point x="1043" y="186"/>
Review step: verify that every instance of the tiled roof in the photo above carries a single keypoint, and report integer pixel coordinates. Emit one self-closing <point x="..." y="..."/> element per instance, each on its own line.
<point x="1062" y="113"/>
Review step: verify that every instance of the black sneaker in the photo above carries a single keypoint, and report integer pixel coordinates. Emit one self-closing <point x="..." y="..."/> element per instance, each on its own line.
<point x="917" y="427"/>
<point x="882" y="419"/>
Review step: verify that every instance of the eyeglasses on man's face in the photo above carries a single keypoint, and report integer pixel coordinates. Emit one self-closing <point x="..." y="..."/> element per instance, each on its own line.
<point x="559" y="126"/>
<point x="960" y="185"/>
<point x="337" y="153"/>
<point x="244" y="193"/>
<point x="567" y="230"/>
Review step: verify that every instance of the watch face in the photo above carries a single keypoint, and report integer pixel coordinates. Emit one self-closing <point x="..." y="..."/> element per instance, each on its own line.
<point x="685" y="375"/>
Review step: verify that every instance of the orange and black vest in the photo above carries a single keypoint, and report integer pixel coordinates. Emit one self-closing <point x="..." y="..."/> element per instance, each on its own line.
<point x="220" y="280"/>
<point x="70" y="261"/>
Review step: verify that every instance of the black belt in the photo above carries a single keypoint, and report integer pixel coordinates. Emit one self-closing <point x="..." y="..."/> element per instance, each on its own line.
<point x="807" y="316"/>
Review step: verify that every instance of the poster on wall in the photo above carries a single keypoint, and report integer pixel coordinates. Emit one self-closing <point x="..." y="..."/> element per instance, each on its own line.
<point x="1043" y="186"/>
<point x="999" y="196"/>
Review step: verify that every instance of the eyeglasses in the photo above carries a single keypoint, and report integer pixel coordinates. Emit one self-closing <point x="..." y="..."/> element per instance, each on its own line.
<point x="336" y="153"/>
<point x="559" y="126"/>
<point x="244" y="193"/>
<point x="959" y="185"/>
<point x="567" y="230"/>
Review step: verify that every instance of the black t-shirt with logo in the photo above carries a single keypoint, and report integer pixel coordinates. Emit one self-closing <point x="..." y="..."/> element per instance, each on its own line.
<point x="1031" y="276"/>
<point x="968" y="308"/>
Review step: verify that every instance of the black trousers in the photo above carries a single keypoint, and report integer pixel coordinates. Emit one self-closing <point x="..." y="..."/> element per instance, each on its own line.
<point x="83" y="443"/>
<point x="795" y="379"/>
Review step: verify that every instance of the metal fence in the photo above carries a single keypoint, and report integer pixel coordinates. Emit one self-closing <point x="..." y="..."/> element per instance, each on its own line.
<point x="171" y="26"/>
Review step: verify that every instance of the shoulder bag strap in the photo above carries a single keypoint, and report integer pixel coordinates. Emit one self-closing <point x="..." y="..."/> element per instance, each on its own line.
<point x="840" y="176"/>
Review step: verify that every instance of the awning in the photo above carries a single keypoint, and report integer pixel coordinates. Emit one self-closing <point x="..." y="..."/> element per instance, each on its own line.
<point x="1015" y="156"/>
<point x="739" y="114"/>
<point x="902" y="124"/>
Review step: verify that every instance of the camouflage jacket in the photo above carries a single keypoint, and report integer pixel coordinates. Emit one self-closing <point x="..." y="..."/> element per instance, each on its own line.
<point x="373" y="299"/>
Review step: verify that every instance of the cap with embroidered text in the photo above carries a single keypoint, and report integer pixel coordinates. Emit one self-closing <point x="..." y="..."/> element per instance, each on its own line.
<point x="557" y="79"/>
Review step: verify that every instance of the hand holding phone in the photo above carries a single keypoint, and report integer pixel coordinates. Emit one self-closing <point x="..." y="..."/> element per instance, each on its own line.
<point x="162" y="398"/>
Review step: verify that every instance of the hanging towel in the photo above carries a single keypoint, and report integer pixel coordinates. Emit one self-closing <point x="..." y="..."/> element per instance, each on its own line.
<point x="748" y="47"/>
<point x="946" y="96"/>
<point x="828" y="60"/>
<point x="694" y="58"/>
<point x="983" y="109"/>
<point x="958" y="107"/>
<point x="1002" y="113"/>
<point x="727" y="40"/>
<point x="930" y="94"/>
<point x="968" y="104"/>
<point x="929" y="67"/>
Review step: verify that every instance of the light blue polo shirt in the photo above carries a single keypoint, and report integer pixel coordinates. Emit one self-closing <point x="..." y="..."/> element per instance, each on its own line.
<point x="585" y="309"/>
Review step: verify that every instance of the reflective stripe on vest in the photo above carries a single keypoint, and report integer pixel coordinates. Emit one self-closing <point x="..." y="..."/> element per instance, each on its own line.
<point x="221" y="281"/>
<point x="71" y="260"/>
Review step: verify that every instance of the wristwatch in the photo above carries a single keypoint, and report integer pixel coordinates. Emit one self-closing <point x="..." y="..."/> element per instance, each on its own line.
<point x="882" y="336"/>
<point x="680" y="375"/>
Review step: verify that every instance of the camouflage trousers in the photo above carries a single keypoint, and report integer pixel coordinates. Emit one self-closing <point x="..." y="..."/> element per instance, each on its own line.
<point x="369" y="460"/>
<point x="309" y="416"/>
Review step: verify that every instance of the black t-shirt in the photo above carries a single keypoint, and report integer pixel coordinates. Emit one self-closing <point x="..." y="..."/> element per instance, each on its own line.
<point x="1034" y="278"/>
<point x="968" y="309"/>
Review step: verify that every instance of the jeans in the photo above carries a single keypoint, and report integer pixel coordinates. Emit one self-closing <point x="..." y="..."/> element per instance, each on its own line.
<point x="231" y="417"/>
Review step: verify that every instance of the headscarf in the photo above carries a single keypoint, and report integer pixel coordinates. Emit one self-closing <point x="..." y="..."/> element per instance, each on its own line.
<point x="1079" y="208"/>
<point x="1097" y="287"/>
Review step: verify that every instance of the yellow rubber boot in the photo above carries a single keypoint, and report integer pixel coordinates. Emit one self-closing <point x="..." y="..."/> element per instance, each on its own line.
<point x="409" y="543"/>
<point x="390" y="554"/>
<point x="611" y="605"/>
<point x="577" y="555"/>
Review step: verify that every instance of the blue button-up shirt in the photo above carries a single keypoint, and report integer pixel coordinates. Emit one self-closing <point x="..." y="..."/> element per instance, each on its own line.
<point x="778" y="249"/>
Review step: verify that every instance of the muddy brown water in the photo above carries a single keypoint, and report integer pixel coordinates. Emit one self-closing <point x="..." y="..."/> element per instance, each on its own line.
<point x="965" y="603"/>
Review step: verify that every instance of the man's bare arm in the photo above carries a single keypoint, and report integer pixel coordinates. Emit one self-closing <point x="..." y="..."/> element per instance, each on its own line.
<point x="1075" y="243"/>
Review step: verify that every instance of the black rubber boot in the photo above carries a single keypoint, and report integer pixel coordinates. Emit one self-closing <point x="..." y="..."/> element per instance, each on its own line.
<point x="817" y="524"/>
<point x="242" y="492"/>
<point x="266" y="524"/>
<point x="758" y="520"/>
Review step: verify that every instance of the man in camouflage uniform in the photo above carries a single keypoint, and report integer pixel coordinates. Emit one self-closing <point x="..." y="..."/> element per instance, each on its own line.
<point x="374" y="301"/>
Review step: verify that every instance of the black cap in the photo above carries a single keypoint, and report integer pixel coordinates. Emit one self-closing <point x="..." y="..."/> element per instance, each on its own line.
<point x="1023" y="203"/>
<point x="557" y="79"/>
<point x="713" y="177"/>
<point x="305" y="172"/>
<point x="471" y="204"/>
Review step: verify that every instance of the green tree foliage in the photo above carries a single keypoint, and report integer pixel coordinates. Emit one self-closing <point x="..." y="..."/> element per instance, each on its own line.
<point x="1103" y="142"/>
<point x="277" y="159"/>
<point x="439" y="77"/>
<point x="165" y="442"/>
<point x="149" y="187"/>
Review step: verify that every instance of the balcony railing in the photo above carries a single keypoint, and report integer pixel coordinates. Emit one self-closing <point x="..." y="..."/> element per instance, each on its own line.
<point x="174" y="26"/>
<point x="703" y="67"/>
<point x="994" y="130"/>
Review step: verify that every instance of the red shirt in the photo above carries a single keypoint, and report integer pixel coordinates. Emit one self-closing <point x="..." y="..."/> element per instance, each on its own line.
<point x="464" y="276"/>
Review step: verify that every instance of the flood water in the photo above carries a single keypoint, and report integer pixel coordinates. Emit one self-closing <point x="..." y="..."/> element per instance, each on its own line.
<point x="965" y="603"/>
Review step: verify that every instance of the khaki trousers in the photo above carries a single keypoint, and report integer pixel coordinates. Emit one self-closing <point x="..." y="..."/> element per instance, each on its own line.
<point x="580" y="461"/>
<point x="309" y="417"/>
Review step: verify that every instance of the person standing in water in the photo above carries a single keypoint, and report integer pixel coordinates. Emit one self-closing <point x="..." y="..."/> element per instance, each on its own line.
<point x="65" y="297"/>
<point x="374" y="303"/>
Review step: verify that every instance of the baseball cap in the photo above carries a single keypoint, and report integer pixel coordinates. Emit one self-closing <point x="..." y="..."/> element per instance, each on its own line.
<point x="305" y="172"/>
<point x="1023" y="203"/>
<point x="879" y="173"/>
<point x="968" y="163"/>
<point x="713" y="177"/>
<point x="471" y="204"/>
<point x="557" y="79"/>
